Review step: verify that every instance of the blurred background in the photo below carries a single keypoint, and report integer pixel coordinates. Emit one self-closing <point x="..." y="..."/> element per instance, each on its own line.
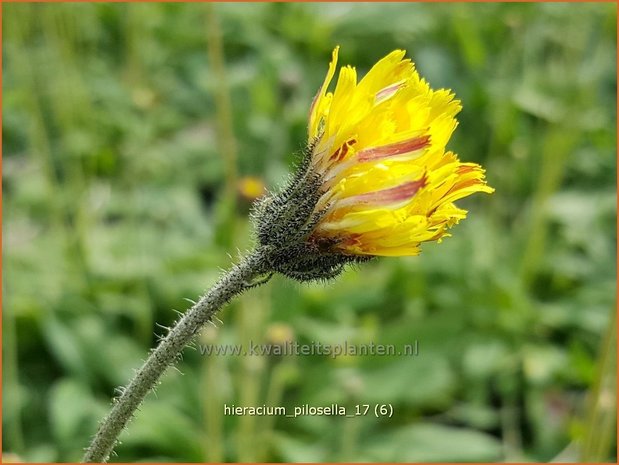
<point x="135" y="137"/>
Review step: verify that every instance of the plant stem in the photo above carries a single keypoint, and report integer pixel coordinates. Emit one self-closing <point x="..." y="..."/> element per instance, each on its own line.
<point x="225" y="132"/>
<point x="225" y="215"/>
<point x="240" y="278"/>
<point x="600" y="426"/>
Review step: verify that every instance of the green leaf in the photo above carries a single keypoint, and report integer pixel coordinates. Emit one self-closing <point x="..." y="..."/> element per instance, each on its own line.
<point x="432" y="443"/>
<point x="74" y="414"/>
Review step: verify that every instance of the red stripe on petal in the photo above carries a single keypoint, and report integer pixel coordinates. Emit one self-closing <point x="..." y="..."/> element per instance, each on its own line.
<point x="388" y="91"/>
<point x="463" y="169"/>
<point x="314" y="100"/>
<point x="340" y="153"/>
<point x="394" y="194"/>
<point x="463" y="185"/>
<point x="391" y="150"/>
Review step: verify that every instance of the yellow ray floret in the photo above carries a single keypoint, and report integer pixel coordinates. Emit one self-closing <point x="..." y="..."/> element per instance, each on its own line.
<point x="380" y="145"/>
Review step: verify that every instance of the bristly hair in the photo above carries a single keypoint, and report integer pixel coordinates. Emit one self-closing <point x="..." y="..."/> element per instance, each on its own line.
<point x="284" y="221"/>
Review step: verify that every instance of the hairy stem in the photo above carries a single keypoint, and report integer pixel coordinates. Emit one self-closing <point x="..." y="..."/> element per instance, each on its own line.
<point x="240" y="278"/>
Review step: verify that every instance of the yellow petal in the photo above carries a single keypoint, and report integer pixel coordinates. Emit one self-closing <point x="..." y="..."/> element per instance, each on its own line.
<point x="388" y="182"/>
<point x="321" y="103"/>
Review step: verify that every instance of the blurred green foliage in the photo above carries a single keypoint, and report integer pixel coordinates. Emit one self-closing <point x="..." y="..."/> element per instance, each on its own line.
<point x="114" y="213"/>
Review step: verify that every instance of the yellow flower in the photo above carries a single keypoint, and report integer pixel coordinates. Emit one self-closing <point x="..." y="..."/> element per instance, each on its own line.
<point x="376" y="178"/>
<point x="251" y="187"/>
<point x="379" y="145"/>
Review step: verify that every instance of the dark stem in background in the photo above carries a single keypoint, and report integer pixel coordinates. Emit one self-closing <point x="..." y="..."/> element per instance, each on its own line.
<point x="240" y="278"/>
<point x="226" y="212"/>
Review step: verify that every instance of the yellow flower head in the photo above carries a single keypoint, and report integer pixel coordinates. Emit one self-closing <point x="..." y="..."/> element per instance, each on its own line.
<point x="387" y="183"/>
<point x="375" y="180"/>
